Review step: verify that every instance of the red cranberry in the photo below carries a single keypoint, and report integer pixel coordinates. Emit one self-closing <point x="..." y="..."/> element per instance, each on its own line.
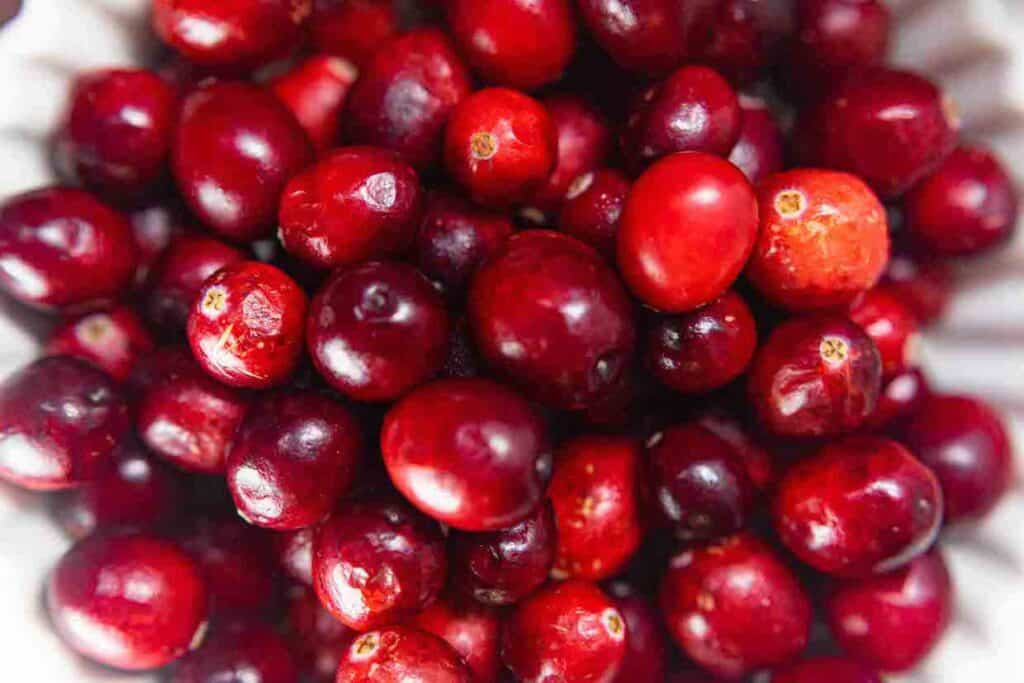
<point x="153" y="226"/>
<point x="548" y="313"/>
<point x="352" y="29"/>
<point x="130" y="601"/>
<point x="967" y="206"/>
<point x="404" y="95"/>
<point x="502" y="567"/>
<point x="315" y="92"/>
<point x="741" y="38"/>
<point x="63" y="249"/>
<point x="295" y="554"/>
<point x="815" y="376"/>
<point x="398" y="654"/>
<point x="853" y="129"/>
<point x="924" y="285"/>
<point x="592" y="208"/>
<point x="890" y="324"/>
<point x="116" y="135"/>
<point x="643" y="35"/>
<point x="833" y="669"/>
<point x="236" y="146"/>
<point x="734" y="607"/>
<point x="966" y="444"/>
<point x="901" y="398"/>
<point x="471" y="629"/>
<point x="567" y="631"/>
<point x="646" y="644"/>
<point x="759" y="150"/>
<point x="377" y="562"/>
<point x="736" y="433"/>
<point x="893" y="621"/>
<point x="111" y="341"/>
<point x="501" y="145"/>
<point x="692" y="677"/>
<point x="317" y="638"/>
<point x="679" y="270"/>
<point x="859" y="506"/>
<point x="239" y="650"/>
<point x="693" y="110"/>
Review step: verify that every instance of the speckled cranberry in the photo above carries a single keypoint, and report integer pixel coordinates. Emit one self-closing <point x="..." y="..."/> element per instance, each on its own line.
<point x="834" y="669"/>
<point x="647" y="645"/>
<point x="315" y="91"/>
<point x="737" y="433"/>
<point x="130" y="601"/>
<point x="397" y="654"/>
<point x="593" y="207"/>
<point x="759" y="150"/>
<point x="472" y="630"/>
<point x="112" y="341"/>
<point x="902" y="396"/>
<point x="742" y="38"/>
<point x="890" y="324"/>
<point x="316" y="638"/>
<point x="643" y="35"/>
<point x="294" y="550"/>
<point x="924" y="284"/>
<point x="246" y="649"/>
<point x="352" y="29"/>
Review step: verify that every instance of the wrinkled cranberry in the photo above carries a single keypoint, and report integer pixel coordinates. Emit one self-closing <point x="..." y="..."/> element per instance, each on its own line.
<point x="646" y="642"/>
<point x="397" y="654"/>
<point x="890" y="324"/>
<point x="295" y="554"/>
<point x="902" y="396"/>
<point x="741" y="38"/>
<point x="317" y="639"/>
<point x="759" y="150"/>
<point x="736" y="433"/>
<point x="315" y="92"/>
<point x="352" y="29"/>
<point x="644" y="35"/>
<point x="832" y="669"/>
<point x="925" y="285"/>
<point x="111" y="341"/>
<point x="470" y="628"/>
<point x="592" y="208"/>
<point x="249" y="650"/>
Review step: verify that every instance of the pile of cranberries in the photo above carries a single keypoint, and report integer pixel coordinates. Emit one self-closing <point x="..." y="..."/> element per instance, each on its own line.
<point x="532" y="340"/>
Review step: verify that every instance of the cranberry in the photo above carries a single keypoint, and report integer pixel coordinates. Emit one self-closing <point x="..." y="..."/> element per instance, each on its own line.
<point x="315" y="92"/>
<point x="736" y="433"/>
<point x="462" y="360"/>
<point x="643" y="35"/>
<point x="377" y="562"/>
<point x="925" y="285"/>
<point x="548" y="313"/>
<point x="153" y="226"/>
<point x="592" y="208"/>
<point x="693" y="110"/>
<point x="759" y="150"/>
<point x="734" y="607"/>
<point x="833" y="669"/>
<point x="235" y="148"/>
<point x="130" y="601"/>
<point x="893" y="621"/>
<point x="859" y="506"/>
<point x="679" y="270"/>
<point x="890" y="324"/>
<point x="692" y="677"/>
<point x="246" y="650"/>
<point x="352" y="29"/>
<point x="470" y="628"/>
<point x="646" y="645"/>
<point x="741" y="38"/>
<point x="901" y="398"/>
<point x="501" y="145"/>
<point x="902" y="150"/>
<point x="397" y="654"/>
<point x="567" y="631"/>
<point x="63" y="249"/>
<point x="502" y="567"/>
<point x="404" y="95"/>
<point x="317" y="638"/>
<point x="111" y="341"/>
<point x="295" y="554"/>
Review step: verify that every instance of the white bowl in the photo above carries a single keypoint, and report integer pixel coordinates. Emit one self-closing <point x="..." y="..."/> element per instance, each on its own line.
<point x="974" y="47"/>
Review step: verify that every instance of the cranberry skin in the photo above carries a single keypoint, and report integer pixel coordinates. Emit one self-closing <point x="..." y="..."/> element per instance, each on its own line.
<point x="397" y="654"/>
<point x="352" y="29"/>
<point x="646" y="644"/>
<point x="925" y="285"/>
<point x="111" y="341"/>
<point x="759" y="150"/>
<point x="501" y="145"/>
<point x="548" y="313"/>
<point x="592" y="208"/>
<point x="834" y="669"/>
<point x="235" y="148"/>
<point x="317" y="639"/>
<point x="116" y="135"/>
<point x="470" y="629"/>
<point x="375" y="563"/>
<point x="356" y="204"/>
<point x="294" y="551"/>
<point x="63" y="249"/>
<point x="901" y="398"/>
<point x="890" y="324"/>
<point x="315" y="92"/>
<point x="965" y="443"/>
<point x="859" y="506"/>
<point x="736" y="433"/>
<point x="248" y="648"/>
<point x="502" y="567"/>
<point x="567" y="631"/>
<point x="693" y="110"/>
<point x="130" y="601"/>
<point x="677" y="271"/>
<point x="893" y="621"/>
<point x="902" y="150"/>
<point x="153" y="227"/>
<point x="644" y="35"/>
<point x="405" y="94"/>
<point x="741" y="38"/>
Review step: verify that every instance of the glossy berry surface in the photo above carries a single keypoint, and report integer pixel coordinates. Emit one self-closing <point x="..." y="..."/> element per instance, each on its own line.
<point x="112" y="340"/>
<point x="739" y="434"/>
<point x="352" y="29"/>
<point x="593" y="207"/>
<point x="316" y="638"/>
<point x="834" y="669"/>
<point x="315" y="92"/>
<point x="924" y="284"/>
<point x="294" y="551"/>
<point x="471" y="629"/>
<point x="902" y="396"/>
<point x="890" y="324"/>
<point x="647" y="644"/>
<point x="642" y="35"/>
<point x="759" y="150"/>
<point x="247" y="646"/>
<point x="397" y="654"/>
<point x="742" y="38"/>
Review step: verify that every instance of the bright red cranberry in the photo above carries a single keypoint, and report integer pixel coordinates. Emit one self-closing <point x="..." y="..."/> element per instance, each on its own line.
<point x="815" y="376"/>
<point x="315" y="92"/>
<point x="679" y="270"/>
<point x="352" y="29"/>
<point x="111" y="341"/>
<point x="759" y="150"/>
<point x="833" y="669"/>
<point x="890" y="324"/>
<point x="736" y="433"/>
<point x="566" y="631"/>
<point x="63" y="249"/>
<point x="893" y="621"/>
<point x="852" y="129"/>
<point x="902" y="396"/>
<point x="966" y="444"/>
<point x="643" y="35"/>
<point x="377" y="562"/>
<point x="116" y="135"/>
<point x="548" y="313"/>
<point x="859" y="506"/>
<point x="693" y="110"/>
<point x="295" y="554"/>
<point x="316" y="637"/>
<point x="592" y="208"/>
<point x="501" y="145"/>
<point x="741" y="38"/>
<point x="130" y="601"/>
<point x="502" y="567"/>
<point x="397" y="654"/>
<point x="470" y="628"/>
<point x="924" y="284"/>
<point x="235" y="148"/>
<point x="246" y="650"/>
<point x="734" y="607"/>
<point x="404" y="95"/>
<point x="646" y="643"/>
<point x="358" y="203"/>
<point x="467" y="452"/>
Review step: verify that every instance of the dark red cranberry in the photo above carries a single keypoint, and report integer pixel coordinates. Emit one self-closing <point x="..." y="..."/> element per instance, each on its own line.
<point x="462" y="359"/>
<point x="352" y="29"/>
<point x="295" y="554"/>
<point x="358" y="203"/>
<point x="60" y="419"/>
<point x="890" y="324"/>
<point x="967" y="206"/>
<point x="502" y="567"/>
<point x="470" y="628"/>
<point x="646" y="643"/>
<point x="893" y="621"/>
<point x="397" y="654"/>
<point x="116" y="135"/>
<point x="759" y="150"/>
<point x="130" y="601"/>
<point x="467" y="452"/>
<point x="315" y="92"/>
<point x="853" y="129"/>
<point x="902" y="396"/>
<point x="592" y="208"/>
<point x="238" y="650"/>
<point x="693" y="110"/>
<point x="112" y="341"/>
<point x="644" y="35"/>
<point x="501" y="145"/>
<point x="679" y="270"/>
<point x="860" y="506"/>
<point x="833" y="669"/>
<point x="154" y="226"/>
<point x="741" y="38"/>
<point x="404" y="95"/>
<point x="567" y="631"/>
<point x="235" y="148"/>
<point x="317" y="639"/>
<point x="548" y="313"/>
<point x="692" y="676"/>
<point x="734" y="607"/>
<point x="377" y="562"/>
<point x="925" y="285"/>
<point x="966" y="444"/>
<point x="63" y="249"/>
<point x="815" y="376"/>
<point x="736" y="433"/>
